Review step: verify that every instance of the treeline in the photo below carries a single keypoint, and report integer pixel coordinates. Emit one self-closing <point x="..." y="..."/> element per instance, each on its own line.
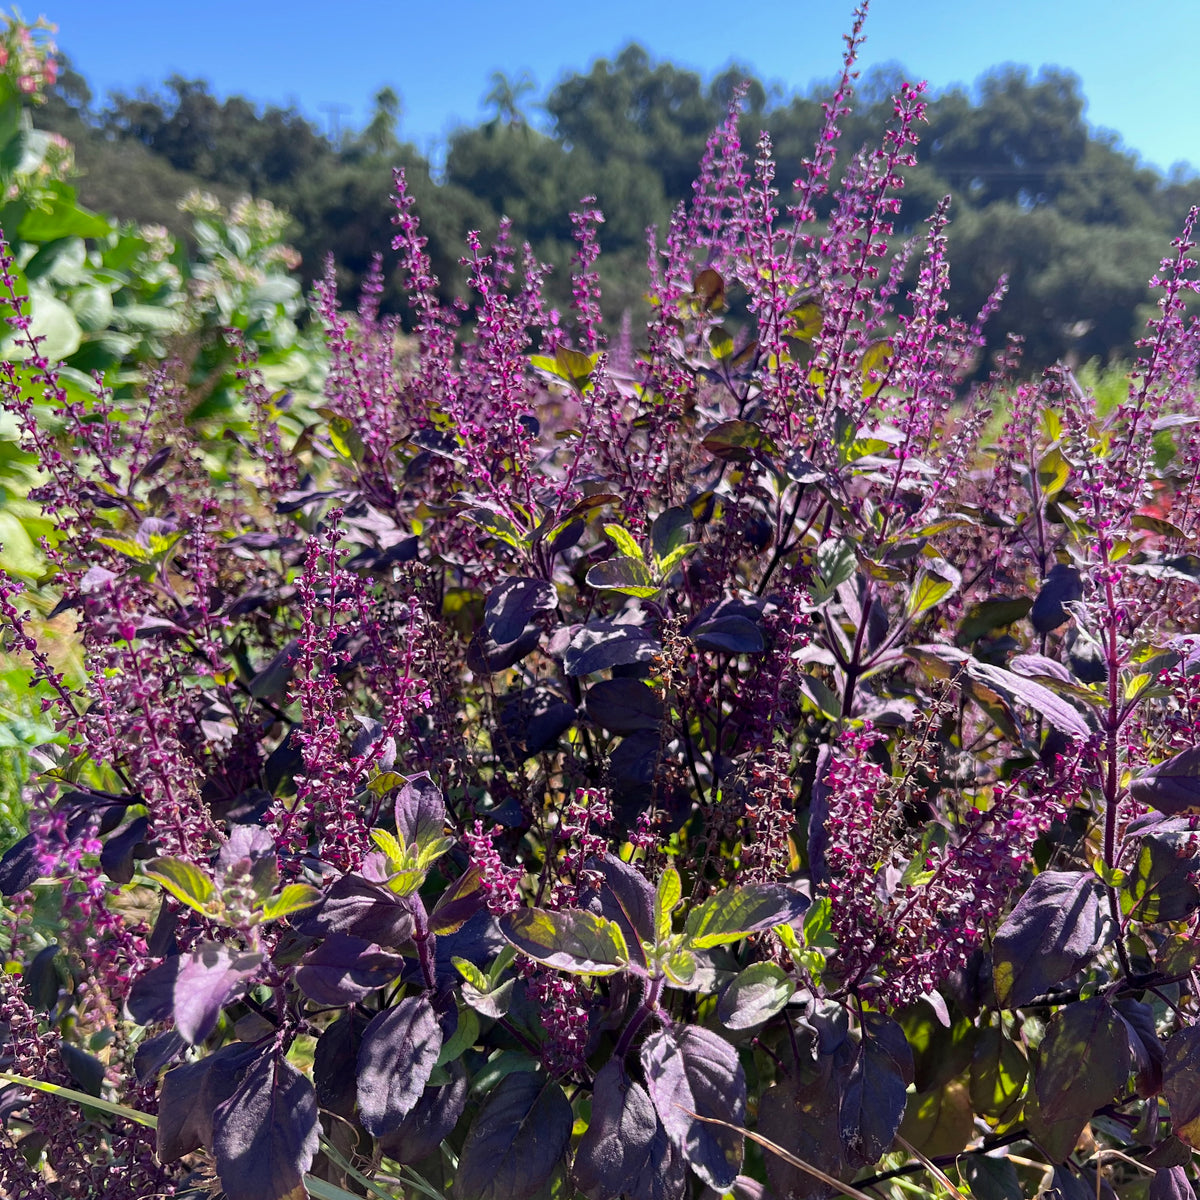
<point x="1072" y="217"/>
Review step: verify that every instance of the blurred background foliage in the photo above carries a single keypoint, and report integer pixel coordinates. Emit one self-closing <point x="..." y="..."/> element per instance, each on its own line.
<point x="1076" y="220"/>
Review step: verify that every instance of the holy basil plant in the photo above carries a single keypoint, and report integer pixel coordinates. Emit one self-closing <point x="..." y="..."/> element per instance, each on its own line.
<point x="757" y="757"/>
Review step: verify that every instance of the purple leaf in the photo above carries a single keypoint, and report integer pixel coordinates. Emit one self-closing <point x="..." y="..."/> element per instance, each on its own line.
<point x="692" y="1070"/>
<point x="513" y="603"/>
<point x="1171" y="1183"/>
<point x="625" y="897"/>
<point x="625" y="1150"/>
<point x="153" y="1053"/>
<point x="192" y="988"/>
<point x="356" y="906"/>
<point x="266" y="1134"/>
<point x="1181" y="1083"/>
<point x="601" y="644"/>
<point x="802" y="1119"/>
<point x="1062" y="586"/>
<point x="431" y="1120"/>
<point x="345" y="969"/>
<point x="1144" y="1044"/>
<point x="399" y="1050"/>
<point x="872" y="1104"/>
<point x="190" y="1095"/>
<point x="335" y="1063"/>
<point x="1173" y="786"/>
<point x="516" y="1142"/>
<point x="458" y="903"/>
<point x="20" y="866"/>
<point x="623" y="705"/>
<point x="1056" y="927"/>
<point x="420" y="811"/>
<point x="568" y="940"/>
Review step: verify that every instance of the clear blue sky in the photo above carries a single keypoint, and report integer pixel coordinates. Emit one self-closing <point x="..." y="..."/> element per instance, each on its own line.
<point x="1136" y="58"/>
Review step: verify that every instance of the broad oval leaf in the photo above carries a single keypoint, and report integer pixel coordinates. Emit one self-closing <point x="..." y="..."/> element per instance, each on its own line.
<point x="574" y="940"/>
<point x="624" y="705"/>
<point x="626" y="898"/>
<point x="737" y="441"/>
<point x="431" y="1120"/>
<point x="192" y="988"/>
<point x="191" y="1094"/>
<point x="1056" y="927"/>
<point x="599" y="645"/>
<point x="690" y="1070"/>
<point x="1063" y="586"/>
<point x="620" y="1138"/>
<point x="1171" y="1183"/>
<point x="755" y="995"/>
<point x="931" y="587"/>
<point x="1161" y="883"/>
<point x="802" y="1119"/>
<point x="292" y="898"/>
<point x="624" y="575"/>
<point x="731" y="914"/>
<point x="1172" y="786"/>
<point x="187" y="883"/>
<point x="420" y="811"/>
<point x="1083" y="1060"/>
<point x="516" y="1142"/>
<point x="1181" y="1083"/>
<point x="458" y="903"/>
<point x="872" y="1105"/>
<point x="513" y="603"/>
<point x="729" y="635"/>
<point x="345" y="969"/>
<point x="400" y="1048"/>
<point x="265" y="1135"/>
<point x="999" y="1070"/>
<point x="356" y="906"/>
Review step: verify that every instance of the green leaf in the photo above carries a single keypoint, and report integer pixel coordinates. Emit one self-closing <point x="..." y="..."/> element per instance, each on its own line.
<point x="471" y="973"/>
<point x="626" y="576"/>
<point x="499" y="526"/>
<point x="126" y="547"/>
<point x="293" y="898"/>
<point x="623" y="540"/>
<point x="61" y="216"/>
<point x="994" y="613"/>
<point x="187" y="883"/>
<point x="738" y="441"/>
<point x="666" y="901"/>
<point x="396" y="851"/>
<point x="876" y="360"/>
<point x="664" y="566"/>
<point x="575" y="941"/>
<point x="669" y="531"/>
<point x="1083" y="1060"/>
<point x="1053" y="471"/>
<point x="755" y="995"/>
<point x="720" y="343"/>
<point x="66" y="1093"/>
<point x="932" y="586"/>
<point x="568" y="365"/>
<point x="680" y="968"/>
<point x="733" y="913"/>
<point x="835" y="562"/>
<point x="466" y="1034"/>
<point x="998" y="1073"/>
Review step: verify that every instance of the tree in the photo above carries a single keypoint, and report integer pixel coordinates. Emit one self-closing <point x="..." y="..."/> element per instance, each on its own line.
<point x="505" y="96"/>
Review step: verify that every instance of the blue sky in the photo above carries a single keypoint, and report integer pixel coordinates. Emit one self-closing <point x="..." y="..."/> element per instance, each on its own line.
<point x="1137" y="61"/>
